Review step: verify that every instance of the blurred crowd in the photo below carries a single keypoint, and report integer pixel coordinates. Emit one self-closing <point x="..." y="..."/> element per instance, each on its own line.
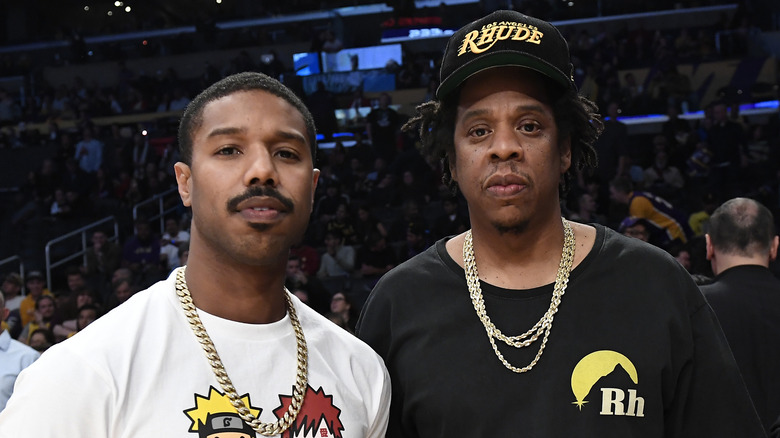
<point x="378" y="202"/>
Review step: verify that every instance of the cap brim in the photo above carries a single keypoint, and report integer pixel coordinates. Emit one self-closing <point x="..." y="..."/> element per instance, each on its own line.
<point x="501" y="59"/>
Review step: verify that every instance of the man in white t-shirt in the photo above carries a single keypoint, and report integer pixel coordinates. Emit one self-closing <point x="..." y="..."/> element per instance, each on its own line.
<point x="220" y="346"/>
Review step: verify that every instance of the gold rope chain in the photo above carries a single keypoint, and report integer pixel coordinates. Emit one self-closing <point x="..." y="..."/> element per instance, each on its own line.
<point x="545" y="323"/>
<point x="266" y="429"/>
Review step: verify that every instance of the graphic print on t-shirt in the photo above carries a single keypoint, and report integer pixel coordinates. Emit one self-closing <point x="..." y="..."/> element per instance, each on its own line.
<point x="214" y="416"/>
<point x="619" y="401"/>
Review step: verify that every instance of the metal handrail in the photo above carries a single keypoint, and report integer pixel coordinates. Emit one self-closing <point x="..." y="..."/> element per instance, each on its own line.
<point x="83" y="252"/>
<point x="18" y="259"/>
<point x="161" y="210"/>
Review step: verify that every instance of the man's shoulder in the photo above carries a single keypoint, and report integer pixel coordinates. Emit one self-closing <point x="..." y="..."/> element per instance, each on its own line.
<point x="629" y="251"/>
<point x="20" y="350"/>
<point x="405" y="280"/>
<point x="419" y="264"/>
<point x="742" y="279"/>
<point x="321" y="334"/>
<point x="140" y="310"/>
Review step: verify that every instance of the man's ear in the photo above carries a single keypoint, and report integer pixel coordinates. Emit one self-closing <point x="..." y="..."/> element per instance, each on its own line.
<point x="773" y="249"/>
<point x="565" y="149"/>
<point x="315" y="179"/>
<point x="710" y="251"/>
<point x="184" y="181"/>
<point x="451" y="163"/>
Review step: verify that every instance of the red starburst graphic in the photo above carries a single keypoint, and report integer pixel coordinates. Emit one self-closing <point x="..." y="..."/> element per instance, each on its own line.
<point x="317" y="406"/>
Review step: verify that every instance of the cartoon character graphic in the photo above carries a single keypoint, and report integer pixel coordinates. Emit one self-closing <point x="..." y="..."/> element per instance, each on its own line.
<point x="318" y="416"/>
<point x="214" y="416"/>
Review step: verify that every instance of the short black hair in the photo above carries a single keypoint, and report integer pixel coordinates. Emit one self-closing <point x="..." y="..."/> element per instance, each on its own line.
<point x="576" y="117"/>
<point x="45" y="297"/>
<point x="89" y="307"/>
<point x="74" y="270"/>
<point x="742" y="226"/>
<point x="247" y="81"/>
<point x="47" y="334"/>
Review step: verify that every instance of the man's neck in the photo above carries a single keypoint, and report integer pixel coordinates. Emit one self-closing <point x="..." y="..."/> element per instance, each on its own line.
<point x="722" y="262"/>
<point x="524" y="260"/>
<point x="249" y="294"/>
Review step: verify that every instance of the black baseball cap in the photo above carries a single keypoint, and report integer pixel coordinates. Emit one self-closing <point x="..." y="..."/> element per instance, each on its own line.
<point x="505" y="38"/>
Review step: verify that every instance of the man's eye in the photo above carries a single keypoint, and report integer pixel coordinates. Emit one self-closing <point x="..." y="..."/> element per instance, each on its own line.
<point x="227" y="151"/>
<point x="479" y="132"/>
<point x="290" y="155"/>
<point x="529" y="127"/>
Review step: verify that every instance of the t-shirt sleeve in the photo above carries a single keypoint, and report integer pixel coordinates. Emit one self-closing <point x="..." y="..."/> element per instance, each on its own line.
<point x="57" y="375"/>
<point x="378" y="428"/>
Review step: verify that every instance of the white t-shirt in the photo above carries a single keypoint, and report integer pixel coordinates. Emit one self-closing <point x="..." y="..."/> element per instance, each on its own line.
<point x="13" y="303"/>
<point x="139" y="371"/>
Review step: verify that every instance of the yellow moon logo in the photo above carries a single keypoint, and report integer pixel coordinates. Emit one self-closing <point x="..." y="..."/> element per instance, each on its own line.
<point x="593" y="367"/>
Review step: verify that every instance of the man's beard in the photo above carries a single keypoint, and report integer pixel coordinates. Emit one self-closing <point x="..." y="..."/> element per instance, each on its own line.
<point x="514" y="229"/>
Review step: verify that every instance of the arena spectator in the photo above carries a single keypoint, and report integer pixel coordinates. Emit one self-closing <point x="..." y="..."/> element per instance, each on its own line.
<point x="338" y="260"/>
<point x="46" y="317"/>
<point x="41" y="339"/>
<point x="12" y="291"/>
<point x="89" y="151"/>
<point x="14" y="357"/>
<point x="655" y="210"/>
<point x="141" y="253"/>
<point x="383" y="125"/>
<point x="35" y="289"/>
<point x="297" y="279"/>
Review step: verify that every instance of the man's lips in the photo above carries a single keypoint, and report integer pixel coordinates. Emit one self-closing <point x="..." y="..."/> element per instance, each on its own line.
<point x="261" y="204"/>
<point x="261" y="209"/>
<point x="506" y="185"/>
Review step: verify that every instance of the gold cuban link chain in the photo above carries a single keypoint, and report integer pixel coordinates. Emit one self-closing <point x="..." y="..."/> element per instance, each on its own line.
<point x="301" y="380"/>
<point x="544" y="324"/>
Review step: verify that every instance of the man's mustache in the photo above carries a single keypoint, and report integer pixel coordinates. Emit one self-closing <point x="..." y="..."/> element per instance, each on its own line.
<point x="260" y="191"/>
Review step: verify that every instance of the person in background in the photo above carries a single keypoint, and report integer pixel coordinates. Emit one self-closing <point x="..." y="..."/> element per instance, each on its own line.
<point x="382" y="127"/>
<point x="745" y="295"/>
<point x="338" y="260"/>
<point x="141" y="253"/>
<point x="12" y="289"/>
<point x="654" y="209"/>
<point x="587" y="210"/>
<point x="103" y="258"/>
<point x="35" y="289"/>
<point x="89" y="151"/>
<point x="14" y="357"/>
<point x="341" y="305"/>
<point x="41" y="339"/>
<point x="47" y="316"/>
<point x="298" y="280"/>
<point x="637" y="228"/>
<point x="88" y="313"/>
<point x="375" y="257"/>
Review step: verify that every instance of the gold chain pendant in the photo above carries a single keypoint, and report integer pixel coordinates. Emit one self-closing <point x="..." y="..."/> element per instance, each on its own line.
<point x="544" y="325"/>
<point x="301" y="380"/>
